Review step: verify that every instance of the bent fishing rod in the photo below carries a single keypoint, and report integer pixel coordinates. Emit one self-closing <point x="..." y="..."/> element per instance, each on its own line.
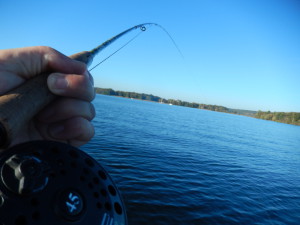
<point x="48" y="182"/>
<point x="34" y="95"/>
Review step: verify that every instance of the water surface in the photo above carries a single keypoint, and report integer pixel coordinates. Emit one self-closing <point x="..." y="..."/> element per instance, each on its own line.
<point x="176" y="165"/>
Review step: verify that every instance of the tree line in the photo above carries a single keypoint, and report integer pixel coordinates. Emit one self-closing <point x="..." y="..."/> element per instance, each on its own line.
<point x="282" y="117"/>
<point x="150" y="97"/>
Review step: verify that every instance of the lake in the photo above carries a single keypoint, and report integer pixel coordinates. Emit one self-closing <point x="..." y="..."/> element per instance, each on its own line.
<point x="176" y="165"/>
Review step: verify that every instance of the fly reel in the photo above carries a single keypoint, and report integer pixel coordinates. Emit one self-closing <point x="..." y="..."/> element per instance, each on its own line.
<point x="46" y="182"/>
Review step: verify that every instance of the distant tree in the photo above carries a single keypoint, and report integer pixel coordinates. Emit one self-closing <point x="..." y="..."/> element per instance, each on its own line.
<point x="292" y="118"/>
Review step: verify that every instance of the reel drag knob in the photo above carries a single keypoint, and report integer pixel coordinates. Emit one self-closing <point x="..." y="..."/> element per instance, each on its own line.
<point x="46" y="182"/>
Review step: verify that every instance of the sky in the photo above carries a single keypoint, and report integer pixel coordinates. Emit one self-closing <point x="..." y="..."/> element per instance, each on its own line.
<point x="238" y="54"/>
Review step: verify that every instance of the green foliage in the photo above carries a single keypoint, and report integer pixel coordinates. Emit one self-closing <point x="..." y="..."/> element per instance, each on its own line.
<point x="125" y="94"/>
<point x="153" y="98"/>
<point x="282" y="117"/>
<point x="147" y="97"/>
<point x="291" y="118"/>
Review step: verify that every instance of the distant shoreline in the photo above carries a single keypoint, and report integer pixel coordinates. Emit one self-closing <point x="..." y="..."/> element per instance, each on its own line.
<point x="281" y="117"/>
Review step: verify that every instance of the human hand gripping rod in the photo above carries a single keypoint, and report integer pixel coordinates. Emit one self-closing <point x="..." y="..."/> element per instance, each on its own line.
<point x="47" y="182"/>
<point x="18" y="106"/>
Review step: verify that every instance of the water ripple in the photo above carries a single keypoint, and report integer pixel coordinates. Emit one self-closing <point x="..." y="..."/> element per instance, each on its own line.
<point x="179" y="166"/>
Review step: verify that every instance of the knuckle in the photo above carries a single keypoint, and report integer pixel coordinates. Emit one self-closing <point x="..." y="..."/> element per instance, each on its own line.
<point x="88" y="130"/>
<point x="91" y="78"/>
<point x="92" y="111"/>
<point x="93" y="94"/>
<point x="89" y="89"/>
<point x="46" y="49"/>
<point x="92" y="131"/>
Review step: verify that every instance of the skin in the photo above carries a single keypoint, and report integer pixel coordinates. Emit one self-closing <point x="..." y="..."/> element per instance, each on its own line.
<point x="66" y="119"/>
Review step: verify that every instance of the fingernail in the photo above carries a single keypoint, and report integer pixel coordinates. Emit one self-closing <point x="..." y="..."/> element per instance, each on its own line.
<point x="87" y="74"/>
<point x="58" y="81"/>
<point x="56" y="130"/>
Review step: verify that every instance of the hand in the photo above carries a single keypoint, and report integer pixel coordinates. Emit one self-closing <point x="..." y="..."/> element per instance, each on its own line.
<point x="66" y="119"/>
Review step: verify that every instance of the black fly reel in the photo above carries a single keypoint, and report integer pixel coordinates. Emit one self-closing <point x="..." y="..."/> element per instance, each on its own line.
<point x="50" y="183"/>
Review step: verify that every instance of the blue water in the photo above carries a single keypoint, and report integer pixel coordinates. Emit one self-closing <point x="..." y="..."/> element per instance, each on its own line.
<point x="176" y="165"/>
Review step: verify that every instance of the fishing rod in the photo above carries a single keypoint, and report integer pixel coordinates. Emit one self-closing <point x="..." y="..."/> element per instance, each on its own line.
<point x="34" y="95"/>
<point x="47" y="182"/>
<point x="88" y="56"/>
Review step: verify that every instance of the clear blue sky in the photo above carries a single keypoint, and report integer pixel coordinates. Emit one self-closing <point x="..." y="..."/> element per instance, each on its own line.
<point x="239" y="54"/>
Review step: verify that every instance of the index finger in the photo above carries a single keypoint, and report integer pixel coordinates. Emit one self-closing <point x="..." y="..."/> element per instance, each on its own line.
<point x="31" y="61"/>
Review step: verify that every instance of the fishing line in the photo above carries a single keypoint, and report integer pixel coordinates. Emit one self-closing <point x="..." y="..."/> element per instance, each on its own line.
<point x="91" y="54"/>
<point x="142" y="30"/>
<point x="169" y="35"/>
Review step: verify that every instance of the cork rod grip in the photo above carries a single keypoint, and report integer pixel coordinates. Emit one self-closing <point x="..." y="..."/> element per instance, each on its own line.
<point x="20" y="105"/>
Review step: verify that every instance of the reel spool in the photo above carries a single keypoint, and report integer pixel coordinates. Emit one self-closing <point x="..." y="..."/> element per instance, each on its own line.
<point x="47" y="183"/>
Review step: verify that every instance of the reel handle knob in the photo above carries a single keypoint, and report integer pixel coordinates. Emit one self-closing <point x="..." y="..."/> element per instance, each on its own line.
<point x="24" y="174"/>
